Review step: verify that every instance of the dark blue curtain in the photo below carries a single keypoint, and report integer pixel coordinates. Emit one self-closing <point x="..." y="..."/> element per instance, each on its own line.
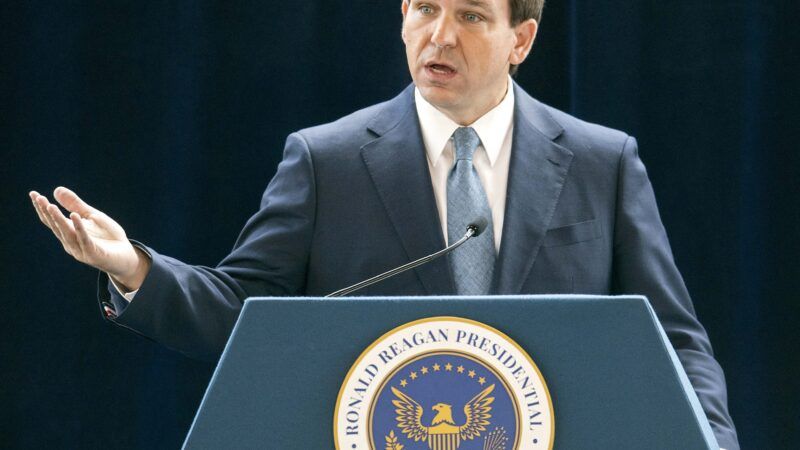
<point x="171" y="117"/>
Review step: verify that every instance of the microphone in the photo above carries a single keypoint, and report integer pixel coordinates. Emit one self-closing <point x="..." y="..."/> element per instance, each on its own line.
<point x="475" y="228"/>
<point x="478" y="226"/>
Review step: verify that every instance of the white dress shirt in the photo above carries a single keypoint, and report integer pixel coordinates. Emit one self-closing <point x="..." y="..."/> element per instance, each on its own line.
<point x="491" y="159"/>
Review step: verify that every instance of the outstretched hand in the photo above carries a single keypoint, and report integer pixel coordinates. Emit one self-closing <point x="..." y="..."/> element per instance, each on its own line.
<point x="93" y="238"/>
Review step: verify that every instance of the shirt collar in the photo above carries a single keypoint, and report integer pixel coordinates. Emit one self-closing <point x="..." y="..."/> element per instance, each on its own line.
<point x="492" y="127"/>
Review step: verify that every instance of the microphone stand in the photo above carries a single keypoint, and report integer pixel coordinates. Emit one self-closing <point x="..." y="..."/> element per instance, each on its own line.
<point x="472" y="230"/>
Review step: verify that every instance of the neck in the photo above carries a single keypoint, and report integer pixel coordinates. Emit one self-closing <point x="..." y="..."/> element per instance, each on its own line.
<point x="467" y="116"/>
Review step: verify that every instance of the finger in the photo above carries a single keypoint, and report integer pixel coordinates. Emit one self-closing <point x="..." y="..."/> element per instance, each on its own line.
<point x="43" y="205"/>
<point x="51" y="219"/>
<point x="84" y="242"/>
<point x="71" y="202"/>
<point x="61" y="232"/>
<point x="34" y="196"/>
<point x="35" y="199"/>
<point x="60" y="220"/>
<point x="67" y="230"/>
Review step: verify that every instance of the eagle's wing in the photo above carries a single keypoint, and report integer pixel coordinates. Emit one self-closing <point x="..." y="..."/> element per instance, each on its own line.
<point x="477" y="411"/>
<point x="409" y="416"/>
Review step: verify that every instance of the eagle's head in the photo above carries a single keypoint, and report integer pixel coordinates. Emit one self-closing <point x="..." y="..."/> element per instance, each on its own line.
<point x="444" y="413"/>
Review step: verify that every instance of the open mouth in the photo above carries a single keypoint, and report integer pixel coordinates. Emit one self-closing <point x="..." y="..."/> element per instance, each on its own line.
<point x="441" y="69"/>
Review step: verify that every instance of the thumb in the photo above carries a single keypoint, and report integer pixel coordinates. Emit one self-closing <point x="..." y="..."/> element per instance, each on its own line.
<point x="71" y="202"/>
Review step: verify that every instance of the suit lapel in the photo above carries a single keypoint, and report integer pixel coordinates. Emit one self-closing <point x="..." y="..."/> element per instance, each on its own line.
<point x="397" y="165"/>
<point x="537" y="172"/>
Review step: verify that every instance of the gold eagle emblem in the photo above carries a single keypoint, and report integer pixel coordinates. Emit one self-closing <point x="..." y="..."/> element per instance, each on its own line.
<point x="443" y="433"/>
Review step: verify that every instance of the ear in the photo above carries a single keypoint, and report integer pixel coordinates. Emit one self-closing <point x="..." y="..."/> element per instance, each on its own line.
<point x="525" y="34"/>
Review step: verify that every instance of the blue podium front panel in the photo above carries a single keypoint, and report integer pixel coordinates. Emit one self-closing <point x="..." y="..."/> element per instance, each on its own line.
<point x="612" y="378"/>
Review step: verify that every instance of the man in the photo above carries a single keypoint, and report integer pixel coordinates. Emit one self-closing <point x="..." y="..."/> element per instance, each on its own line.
<point x="568" y="204"/>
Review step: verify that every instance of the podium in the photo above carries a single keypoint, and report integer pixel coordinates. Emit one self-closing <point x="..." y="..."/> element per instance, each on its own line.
<point x="610" y="376"/>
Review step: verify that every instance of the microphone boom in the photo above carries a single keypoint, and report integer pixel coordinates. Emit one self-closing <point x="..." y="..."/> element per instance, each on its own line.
<point x="473" y="229"/>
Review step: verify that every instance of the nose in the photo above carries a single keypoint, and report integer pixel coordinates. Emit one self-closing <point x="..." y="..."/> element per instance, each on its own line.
<point x="444" y="33"/>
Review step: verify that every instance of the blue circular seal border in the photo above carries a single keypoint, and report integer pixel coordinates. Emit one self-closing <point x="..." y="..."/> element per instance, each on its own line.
<point x="522" y="361"/>
<point x="509" y="391"/>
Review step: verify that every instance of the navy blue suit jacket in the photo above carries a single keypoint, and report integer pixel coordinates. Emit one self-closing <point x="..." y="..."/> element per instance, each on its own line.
<point x="354" y="198"/>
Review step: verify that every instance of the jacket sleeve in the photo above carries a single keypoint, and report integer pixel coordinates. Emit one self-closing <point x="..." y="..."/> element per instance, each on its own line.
<point x="192" y="309"/>
<point x="643" y="264"/>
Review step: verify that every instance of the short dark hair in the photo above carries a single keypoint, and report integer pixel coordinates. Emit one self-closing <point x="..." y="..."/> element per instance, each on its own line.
<point x="522" y="10"/>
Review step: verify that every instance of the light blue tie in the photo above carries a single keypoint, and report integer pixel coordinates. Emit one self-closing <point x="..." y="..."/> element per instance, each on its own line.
<point x="473" y="262"/>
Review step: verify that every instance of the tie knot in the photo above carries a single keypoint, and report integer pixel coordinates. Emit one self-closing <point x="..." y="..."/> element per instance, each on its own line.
<point x="465" y="140"/>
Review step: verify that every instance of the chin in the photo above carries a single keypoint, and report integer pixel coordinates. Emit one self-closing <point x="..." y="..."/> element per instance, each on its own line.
<point x="438" y="96"/>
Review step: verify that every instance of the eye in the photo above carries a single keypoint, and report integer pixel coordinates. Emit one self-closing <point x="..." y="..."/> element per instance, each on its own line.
<point x="426" y="9"/>
<point x="474" y="18"/>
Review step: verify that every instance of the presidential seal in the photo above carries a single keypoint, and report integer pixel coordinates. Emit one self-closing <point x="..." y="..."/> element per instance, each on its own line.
<point x="444" y="383"/>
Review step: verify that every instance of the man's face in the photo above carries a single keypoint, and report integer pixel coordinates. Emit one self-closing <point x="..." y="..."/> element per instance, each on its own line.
<point x="459" y="52"/>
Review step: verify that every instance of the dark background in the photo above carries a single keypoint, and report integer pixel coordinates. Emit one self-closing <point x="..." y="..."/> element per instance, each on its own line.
<point x="171" y="117"/>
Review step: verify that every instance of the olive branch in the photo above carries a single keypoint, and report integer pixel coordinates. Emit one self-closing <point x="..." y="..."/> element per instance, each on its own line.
<point x="391" y="442"/>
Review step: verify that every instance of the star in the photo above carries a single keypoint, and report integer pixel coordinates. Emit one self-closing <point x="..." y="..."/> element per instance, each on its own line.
<point x="481" y="380"/>
<point x="436" y="367"/>
<point x="413" y="375"/>
<point x="448" y="367"/>
<point x="424" y="370"/>
<point x="403" y="383"/>
<point x="472" y="374"/>
<point x="460" y="369"/>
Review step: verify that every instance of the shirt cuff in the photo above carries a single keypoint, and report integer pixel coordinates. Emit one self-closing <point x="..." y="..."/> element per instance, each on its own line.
<point x="126" y="295"/>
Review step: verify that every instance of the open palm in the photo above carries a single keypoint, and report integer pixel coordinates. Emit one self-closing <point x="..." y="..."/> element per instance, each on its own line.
<point x="91" y="237"/>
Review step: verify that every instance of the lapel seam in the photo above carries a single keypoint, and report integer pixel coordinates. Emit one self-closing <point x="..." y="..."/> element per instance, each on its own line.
<point x="369" y="157"/>
<point x="524" y="264"/>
